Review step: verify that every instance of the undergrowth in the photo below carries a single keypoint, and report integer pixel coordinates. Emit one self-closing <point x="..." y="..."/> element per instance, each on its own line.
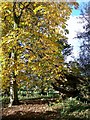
<point x="72" y="109"/>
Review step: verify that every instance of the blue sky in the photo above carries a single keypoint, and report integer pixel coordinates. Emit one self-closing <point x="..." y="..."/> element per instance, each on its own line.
<point x="74" y="27"/>
<point x="76" y="12"/>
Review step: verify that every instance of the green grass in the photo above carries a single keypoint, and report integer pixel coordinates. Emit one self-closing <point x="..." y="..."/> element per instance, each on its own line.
<point x="72" y="109"/>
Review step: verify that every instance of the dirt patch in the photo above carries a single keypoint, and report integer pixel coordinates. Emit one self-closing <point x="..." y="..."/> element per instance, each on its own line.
<point x="37" y="111"/>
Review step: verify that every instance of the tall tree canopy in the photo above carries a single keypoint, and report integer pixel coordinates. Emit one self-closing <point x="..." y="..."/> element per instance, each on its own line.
<point x="30" y="47"/>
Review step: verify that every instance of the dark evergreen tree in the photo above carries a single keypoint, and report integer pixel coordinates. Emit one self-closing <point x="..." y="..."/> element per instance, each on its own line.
<point x="84" y="55"/>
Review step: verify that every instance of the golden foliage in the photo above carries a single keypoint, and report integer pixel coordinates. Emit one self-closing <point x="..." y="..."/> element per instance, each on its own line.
<point x="32" y="47"/>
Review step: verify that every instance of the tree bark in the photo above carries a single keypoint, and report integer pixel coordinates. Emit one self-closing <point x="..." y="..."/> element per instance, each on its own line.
<point x="13" y="93"/>
<point x="13" y="85"/>
<point x="16" y="101"/>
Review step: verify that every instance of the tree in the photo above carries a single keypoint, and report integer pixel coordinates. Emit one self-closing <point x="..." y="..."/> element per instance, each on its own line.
<point x="30" y="47"/>
<point x="69" y="81"/>
<point x="84" y="56"/>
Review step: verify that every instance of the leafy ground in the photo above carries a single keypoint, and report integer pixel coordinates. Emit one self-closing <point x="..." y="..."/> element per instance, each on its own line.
<point x="30" y="110"/>
<point x="40" y="110"/>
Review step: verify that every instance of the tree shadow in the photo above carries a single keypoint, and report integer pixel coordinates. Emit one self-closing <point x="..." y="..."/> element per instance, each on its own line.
<point x="20" y="115"/>
<point x="56" y="114"/>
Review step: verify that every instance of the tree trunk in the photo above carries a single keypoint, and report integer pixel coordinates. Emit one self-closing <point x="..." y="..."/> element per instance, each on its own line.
<point x="13" y="85"/>
<point x="16" y="101"/>
<point x="13" y="94"/>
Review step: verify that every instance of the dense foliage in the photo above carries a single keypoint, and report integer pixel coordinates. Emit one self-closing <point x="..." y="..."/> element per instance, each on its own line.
<point x="33" y="38"/>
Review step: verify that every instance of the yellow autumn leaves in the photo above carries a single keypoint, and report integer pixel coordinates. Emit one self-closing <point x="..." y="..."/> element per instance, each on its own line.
<point x="35" y="42"/>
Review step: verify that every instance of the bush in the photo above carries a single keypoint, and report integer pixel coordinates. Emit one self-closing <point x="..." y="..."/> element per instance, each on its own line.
<point x="72" y="109"/>
<point x="4" y="100"/>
